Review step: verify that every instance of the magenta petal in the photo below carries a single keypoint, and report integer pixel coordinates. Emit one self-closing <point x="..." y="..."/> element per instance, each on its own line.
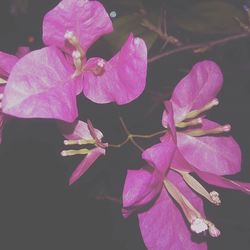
<point x="86" y="163"/>
<point x="77" y="130"/>
<point x="140" y="188"/>
<point x="124" y="76"/>
<point x="7" y="62"/>
<point x="223" y="182"/>
<point x="180" y="163"/>
<point x="215" y="154"/>
<point x="163" y="225"/>
<point x="160" y="155"/>
<point x="87" y="19"/>
<point x="196" y="89"/>
<point x="40" y="86"/>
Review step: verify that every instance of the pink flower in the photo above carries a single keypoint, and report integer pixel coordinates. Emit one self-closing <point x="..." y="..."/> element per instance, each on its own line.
<point x="197" y="138"/>
<point x="44" y="84"/>
<point x="161" y="221"/>
<point x="81" y="133"/>
<point x="74" y="26"/>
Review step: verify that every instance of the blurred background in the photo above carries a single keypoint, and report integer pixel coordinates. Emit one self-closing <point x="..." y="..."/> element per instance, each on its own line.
<point x="38" y="208"/>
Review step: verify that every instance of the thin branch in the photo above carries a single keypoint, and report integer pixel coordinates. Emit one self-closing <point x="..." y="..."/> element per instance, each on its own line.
<point x="124" y="126"/>
<point x="164" y="36"/>
<point x="119" y="145"/>
<point x="151" y="135"/>
<point x="199" y="47"/>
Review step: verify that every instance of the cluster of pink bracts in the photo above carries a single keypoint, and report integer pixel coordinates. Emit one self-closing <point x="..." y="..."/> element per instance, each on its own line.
<point x="44" y="84"/>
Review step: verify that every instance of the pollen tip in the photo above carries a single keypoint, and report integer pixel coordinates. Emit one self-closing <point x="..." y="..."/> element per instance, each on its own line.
<point x="215" y="102"/>
<point x="101" y="63"/>
<point x="215" y="198"/>
<point x="213" y="231"/>
<point x="66" y="142"/>
<point x="76" y="54"/>
<point x="199" y="120"/>
<point x="68" y="34"/>
<point x="227" y="128"/>
<point x="63" y="153"/>
<point x="199" y="225"/>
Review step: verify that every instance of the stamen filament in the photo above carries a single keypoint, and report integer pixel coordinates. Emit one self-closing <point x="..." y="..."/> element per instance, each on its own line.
<point x="79" y="142"/>
<point x="2" y="81"/>
<point x="207" y="107"/>
<point x="192" y="122"/>
<point x="83" y="151"/>
<point x="214" y="131"/>
<point x="213" y="197"/>
<point x="72" y="39"/>
<point x="190" y="212"/>
<point x="198" y="224"/>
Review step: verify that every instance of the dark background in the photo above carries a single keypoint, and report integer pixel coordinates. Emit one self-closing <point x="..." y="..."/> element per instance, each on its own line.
<point x="40" y="211"/>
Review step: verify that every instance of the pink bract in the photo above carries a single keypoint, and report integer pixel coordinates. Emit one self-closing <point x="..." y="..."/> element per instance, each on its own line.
<point x="45" y="90"/>
<point x="142" y="186"/>
<point x="77" y="130"/>
<point x="163" y="226"/>
<point x="87" y="19"/>
<point x="196" y="89"/>
<point x="218" y="154"/>
<point x="124" y="76"/>
<point x="207" y="161"/>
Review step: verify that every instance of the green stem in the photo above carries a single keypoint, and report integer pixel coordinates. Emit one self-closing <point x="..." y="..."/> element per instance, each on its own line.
<point x="130" y="137"/>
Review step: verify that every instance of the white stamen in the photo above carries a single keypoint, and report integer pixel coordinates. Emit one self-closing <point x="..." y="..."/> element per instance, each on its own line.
<point x="69" y="35"/>
<point x="76" y="54"/>
<point x="214" y="102"/>
<point x="199" y="120"/>
<point x="227" y="128"/>
<point x="199" y="225"/>
<point x="101" y="63"/>
<point x="215" y="198"/>
<point x="64" y="153"/>
<point x="1" y="96"/>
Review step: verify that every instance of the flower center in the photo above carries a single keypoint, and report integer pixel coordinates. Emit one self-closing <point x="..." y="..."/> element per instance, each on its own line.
<point x="192" y="119"/>
<point x="79" y="57"/>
